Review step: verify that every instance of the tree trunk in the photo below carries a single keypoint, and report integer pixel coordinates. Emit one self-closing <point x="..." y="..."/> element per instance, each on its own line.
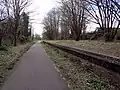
<point x="15" y="30"/>
<point x="0" y="41"/>
<point x="15" y="40"/>
<point x="108" y="38"/>
<point x="77" y="38"/>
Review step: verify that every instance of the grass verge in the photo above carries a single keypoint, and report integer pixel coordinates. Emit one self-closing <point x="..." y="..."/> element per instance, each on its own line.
<point x="78" y="75"/>
<point x="9" y="58"/>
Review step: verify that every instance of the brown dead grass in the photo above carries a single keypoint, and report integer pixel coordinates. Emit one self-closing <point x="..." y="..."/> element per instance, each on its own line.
<point x="108" y="48"/>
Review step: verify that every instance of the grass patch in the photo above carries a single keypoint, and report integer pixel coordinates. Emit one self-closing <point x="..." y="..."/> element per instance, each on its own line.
<point x="108" y="48"/>
<point x="97" y="84"/>
<point x="9" y="58"/>
<point x="77" y="75"/>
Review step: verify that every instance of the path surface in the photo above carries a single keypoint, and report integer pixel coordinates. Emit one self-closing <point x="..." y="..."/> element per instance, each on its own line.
<point x="35" y="72"/>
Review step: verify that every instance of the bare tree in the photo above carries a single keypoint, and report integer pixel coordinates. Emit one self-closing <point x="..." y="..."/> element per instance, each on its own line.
<point x="64" y="23"/>
<point x="65" y="30"/>
<point x="14" y="10"/>
<point x="106" y="15"/>
<point x="116" y="8"/>
<point x="73" y="10"/>
<point x="51" y="24"/>
<point x="116" y="3"/>
<point x="3" y="16"/>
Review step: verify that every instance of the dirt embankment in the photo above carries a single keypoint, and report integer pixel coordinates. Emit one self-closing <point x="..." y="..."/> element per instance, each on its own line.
<point x="80" y="74"/>
<point x="107" y="48"/>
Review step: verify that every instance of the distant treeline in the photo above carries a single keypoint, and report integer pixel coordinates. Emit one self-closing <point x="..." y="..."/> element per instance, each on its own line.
<point x="70" y="20"/>
<point x="14" y="22"/>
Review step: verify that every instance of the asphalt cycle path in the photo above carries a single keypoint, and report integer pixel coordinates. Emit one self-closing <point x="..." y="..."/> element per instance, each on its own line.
<point x="35" y="71"/>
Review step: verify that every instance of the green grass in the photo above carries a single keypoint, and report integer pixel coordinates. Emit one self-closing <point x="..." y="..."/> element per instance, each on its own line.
<point x="97" y="84"/>
<point x="76" y="73"/>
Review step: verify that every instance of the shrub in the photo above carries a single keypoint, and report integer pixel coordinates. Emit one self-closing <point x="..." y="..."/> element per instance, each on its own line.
<point x="3" y="48"/>
<point x="22" y="39"/>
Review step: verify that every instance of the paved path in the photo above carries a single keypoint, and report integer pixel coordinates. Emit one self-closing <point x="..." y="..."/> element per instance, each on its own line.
<point x="35" y="72"/>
